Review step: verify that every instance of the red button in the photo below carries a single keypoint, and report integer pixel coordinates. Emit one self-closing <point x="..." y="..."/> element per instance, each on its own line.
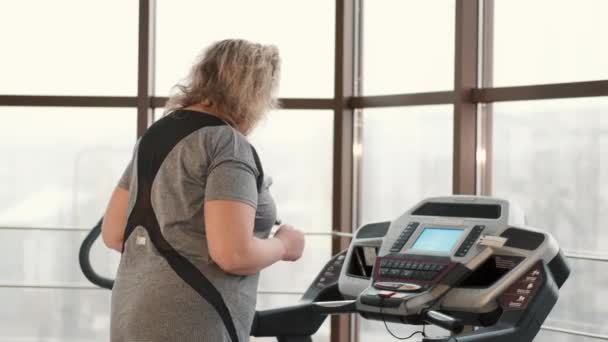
<point x="386" y="294"/>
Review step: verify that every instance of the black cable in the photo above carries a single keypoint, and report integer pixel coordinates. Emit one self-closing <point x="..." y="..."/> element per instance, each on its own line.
<point x="421" y="332"/>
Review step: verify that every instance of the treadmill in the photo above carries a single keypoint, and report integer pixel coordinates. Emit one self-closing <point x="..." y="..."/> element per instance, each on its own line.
<point x="467" y="264"/>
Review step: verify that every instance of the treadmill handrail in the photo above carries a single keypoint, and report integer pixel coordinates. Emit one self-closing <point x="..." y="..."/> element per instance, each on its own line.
<point x="84" y="258"/>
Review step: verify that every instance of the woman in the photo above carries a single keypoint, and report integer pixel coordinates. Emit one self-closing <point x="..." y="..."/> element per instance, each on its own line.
<point x="192" y="212"/>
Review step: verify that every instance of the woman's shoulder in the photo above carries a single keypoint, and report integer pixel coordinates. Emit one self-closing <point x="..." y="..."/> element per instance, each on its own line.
<point x="225" y="142"/>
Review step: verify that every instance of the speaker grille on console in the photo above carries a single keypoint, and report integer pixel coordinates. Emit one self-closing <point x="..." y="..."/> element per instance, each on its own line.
<point x="485" y="211"/>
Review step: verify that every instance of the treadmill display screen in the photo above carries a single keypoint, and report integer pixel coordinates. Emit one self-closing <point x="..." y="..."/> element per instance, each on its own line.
<point x="437" y="239"/>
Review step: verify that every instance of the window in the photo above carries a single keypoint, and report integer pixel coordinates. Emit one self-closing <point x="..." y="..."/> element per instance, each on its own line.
<point x="408" y="46"/>
<point x="69" y="47"/>
<point x="295" y="147"/>
<point x="406" y="156"/>
<point x="302" y="30"/>
<point x="582" y="302"/>
<point x="550" y="41"/>
<point x="68" y="315"/>
<point x="46" y="258"/>
<point x="549" y="157"/>
<point x="61" y="164"/>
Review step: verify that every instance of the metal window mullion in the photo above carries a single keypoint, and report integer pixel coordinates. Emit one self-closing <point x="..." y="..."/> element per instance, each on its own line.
<point x="286" y="103"/>
<point x="541" y="91"/>
<point x="342" y="186"/>
<point x="145" y="64"/>
<point x="486" y="115"/>
<point x="67" y="101"/>
<point x="465" y="110"/>
<point x="409" y="99"/>
<point x="357" y="172"/>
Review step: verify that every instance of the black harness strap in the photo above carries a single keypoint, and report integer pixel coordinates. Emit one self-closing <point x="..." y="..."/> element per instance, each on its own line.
<point x="154" y="147"/>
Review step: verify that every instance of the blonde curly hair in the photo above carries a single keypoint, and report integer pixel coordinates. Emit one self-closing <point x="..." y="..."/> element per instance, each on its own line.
<point x="239" y="77"/>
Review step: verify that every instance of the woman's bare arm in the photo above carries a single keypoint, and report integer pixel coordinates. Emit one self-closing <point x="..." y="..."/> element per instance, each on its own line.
<point x="232" y="245"/>
<point x="115" y="219"/>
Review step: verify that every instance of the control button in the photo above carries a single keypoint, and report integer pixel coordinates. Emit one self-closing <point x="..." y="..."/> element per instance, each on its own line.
<point x="383" y="262"/>
<point x="479" y="228"/>
<point x="408" y="266"/>
<point x="386" y="294"/>
<point x="420" y="267"/>
<point x="440" y="268"/>
<point x="407" y="273"/>
<point x="426" y="267"/>
<point x="433" y="275"/>
<point x="394" y="272"/>
<point x="384" y="271"/>
<point x="341" y="257"/>
<point x="328" y="274"/>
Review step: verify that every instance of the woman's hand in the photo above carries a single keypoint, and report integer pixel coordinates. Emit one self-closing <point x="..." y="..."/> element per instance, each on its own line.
<point x="293" y="241"/>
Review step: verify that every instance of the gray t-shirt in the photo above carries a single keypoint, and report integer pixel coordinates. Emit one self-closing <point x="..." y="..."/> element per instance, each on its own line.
<point x="149" y="301"/>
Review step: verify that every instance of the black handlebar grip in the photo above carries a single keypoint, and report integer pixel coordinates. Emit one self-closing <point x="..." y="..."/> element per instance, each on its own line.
<point x="85" y="260"/>
<point x="444" y="321"/>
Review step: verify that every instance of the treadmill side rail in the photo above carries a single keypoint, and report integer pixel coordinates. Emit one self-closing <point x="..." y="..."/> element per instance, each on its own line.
<point x="298" y="320"/>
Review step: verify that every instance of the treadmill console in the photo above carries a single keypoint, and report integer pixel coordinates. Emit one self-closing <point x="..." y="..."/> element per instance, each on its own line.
<point x="471" y="256"/>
